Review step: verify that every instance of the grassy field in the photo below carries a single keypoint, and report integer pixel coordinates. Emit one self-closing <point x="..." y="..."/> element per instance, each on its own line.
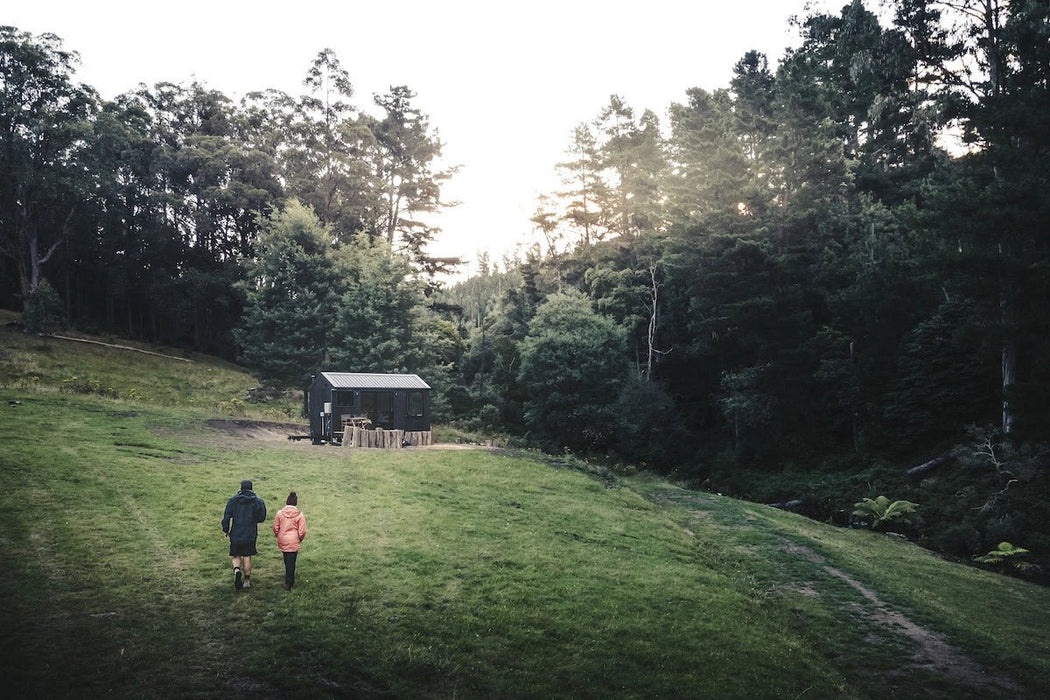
<point x="441" y="573"/>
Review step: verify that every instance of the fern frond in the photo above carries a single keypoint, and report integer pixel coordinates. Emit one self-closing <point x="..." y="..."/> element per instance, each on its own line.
<point x="881" y="510"/>
<point x="1006" y="555"/>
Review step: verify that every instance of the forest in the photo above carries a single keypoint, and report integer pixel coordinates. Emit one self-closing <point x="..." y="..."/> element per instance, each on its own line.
<point x="796" y="287"/>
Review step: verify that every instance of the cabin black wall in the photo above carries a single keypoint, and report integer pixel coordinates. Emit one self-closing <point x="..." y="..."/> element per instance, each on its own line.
<point x="322" y="391"/>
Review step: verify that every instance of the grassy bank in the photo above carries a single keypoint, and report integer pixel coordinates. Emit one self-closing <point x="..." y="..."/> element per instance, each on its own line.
<point x="446" y="572"/>
<point x="133" y="372"/>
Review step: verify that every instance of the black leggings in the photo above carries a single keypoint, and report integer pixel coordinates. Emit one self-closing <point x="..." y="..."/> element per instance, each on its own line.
<point x="289" y="568"/>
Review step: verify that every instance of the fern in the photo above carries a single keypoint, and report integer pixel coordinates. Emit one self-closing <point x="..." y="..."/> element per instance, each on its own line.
<point x="1006" y="556"/>
<point x="881" y="511"/>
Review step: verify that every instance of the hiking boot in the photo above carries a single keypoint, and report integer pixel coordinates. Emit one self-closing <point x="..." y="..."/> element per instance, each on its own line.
<point x="247" y="583"/>
<point x="238" y="579"/>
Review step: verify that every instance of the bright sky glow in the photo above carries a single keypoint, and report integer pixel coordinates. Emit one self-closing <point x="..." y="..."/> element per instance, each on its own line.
<point x="503" y="83"/>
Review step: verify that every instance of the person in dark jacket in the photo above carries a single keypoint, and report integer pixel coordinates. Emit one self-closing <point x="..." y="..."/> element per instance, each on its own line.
<point x="240" y="522"/>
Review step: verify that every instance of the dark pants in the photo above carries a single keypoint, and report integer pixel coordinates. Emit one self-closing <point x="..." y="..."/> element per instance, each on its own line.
<point x="289" y="568"/>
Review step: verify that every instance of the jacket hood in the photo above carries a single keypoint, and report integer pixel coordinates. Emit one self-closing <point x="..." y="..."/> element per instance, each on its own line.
<point x="245" y="496"/>
<point x="290" y="510"/>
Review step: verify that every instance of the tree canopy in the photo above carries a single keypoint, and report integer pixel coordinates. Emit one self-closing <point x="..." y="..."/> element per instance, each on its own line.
<point x="792" y="267"/>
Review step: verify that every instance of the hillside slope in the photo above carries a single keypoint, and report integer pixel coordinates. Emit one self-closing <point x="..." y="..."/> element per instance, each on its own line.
<point x="78" y="363"/>
<point x="466" y="573"/>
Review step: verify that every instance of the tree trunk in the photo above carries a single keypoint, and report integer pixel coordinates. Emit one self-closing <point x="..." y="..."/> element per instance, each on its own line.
<point x="654" y="292"/>
<point x="927" y="466"/>
<point x="1009" y="335"/>
<point x="1009" y="354"/>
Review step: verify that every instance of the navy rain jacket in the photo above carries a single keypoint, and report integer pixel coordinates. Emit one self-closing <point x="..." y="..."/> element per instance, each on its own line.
<point x="246" y="510"/>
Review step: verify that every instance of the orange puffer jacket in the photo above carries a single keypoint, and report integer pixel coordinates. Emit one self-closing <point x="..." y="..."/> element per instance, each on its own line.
<point x="290" y="528"/>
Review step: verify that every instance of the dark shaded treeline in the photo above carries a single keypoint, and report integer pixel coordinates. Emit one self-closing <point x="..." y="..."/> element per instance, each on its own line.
<point x="839" y="262"/>
<point x="140" y="211"/>
<point x="799" y="265"/>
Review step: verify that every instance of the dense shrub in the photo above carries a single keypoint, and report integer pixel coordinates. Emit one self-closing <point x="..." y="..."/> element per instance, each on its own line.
<point x="44" y="312"/>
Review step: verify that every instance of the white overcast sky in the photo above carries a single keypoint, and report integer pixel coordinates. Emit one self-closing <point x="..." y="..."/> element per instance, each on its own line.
<point x="504" y="83"/>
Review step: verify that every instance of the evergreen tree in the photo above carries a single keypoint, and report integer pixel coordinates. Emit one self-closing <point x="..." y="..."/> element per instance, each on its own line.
<point x="290" y="297"/>
<point x="710" y="171"/>
<point x="945" y="379"/>
<point x="990" y="211"/>
<point x="572" y="370"/>
<point x="585" y="187"/>
<point x="631" y="153"/>
<point x="376" y="318"/>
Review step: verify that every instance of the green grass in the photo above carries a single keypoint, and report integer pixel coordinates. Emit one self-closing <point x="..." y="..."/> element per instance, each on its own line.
<point x="30" y="362"/>
<point x="447" y="573"/>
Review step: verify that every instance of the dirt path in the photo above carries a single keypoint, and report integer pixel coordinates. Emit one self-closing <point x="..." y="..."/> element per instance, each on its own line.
<point x="932" y="651"/>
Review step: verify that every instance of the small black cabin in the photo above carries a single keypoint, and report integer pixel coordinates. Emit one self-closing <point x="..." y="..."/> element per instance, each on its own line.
<point x="387" y="401"/>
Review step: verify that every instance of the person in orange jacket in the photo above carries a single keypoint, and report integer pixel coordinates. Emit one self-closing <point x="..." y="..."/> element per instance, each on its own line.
<point x="289" y="527"/>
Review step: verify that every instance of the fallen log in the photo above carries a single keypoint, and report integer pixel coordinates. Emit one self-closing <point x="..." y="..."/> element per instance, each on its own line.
<point x="927" y="466"/>
<point x="113" y="345"/>
<point x="788" y="505"/>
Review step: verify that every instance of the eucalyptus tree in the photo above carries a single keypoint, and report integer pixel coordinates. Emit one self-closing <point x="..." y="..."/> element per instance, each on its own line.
<point x="45" y="129"/>
<point x="229" y="188"/>
<point x="409" y="176"/>
<point x="202" y="192"/>
<point x="326" y="163"/>
<point x="113" y="263"/>
<point x="225" y="185"/>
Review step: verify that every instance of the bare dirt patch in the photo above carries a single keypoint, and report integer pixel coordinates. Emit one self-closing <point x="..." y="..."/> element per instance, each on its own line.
<point x="452" y="446"/>
<point x="258" y="430"/>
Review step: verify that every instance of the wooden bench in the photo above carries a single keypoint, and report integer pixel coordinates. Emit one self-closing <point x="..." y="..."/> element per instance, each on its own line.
<point x="352" y="421"/>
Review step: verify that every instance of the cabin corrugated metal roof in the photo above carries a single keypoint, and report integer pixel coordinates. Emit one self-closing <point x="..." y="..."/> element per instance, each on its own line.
<point x="361" y="380"/>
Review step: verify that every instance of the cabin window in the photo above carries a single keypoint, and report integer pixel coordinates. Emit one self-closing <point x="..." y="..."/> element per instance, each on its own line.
<point x="415" y="404"/>
<point x="343" y="398"/>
